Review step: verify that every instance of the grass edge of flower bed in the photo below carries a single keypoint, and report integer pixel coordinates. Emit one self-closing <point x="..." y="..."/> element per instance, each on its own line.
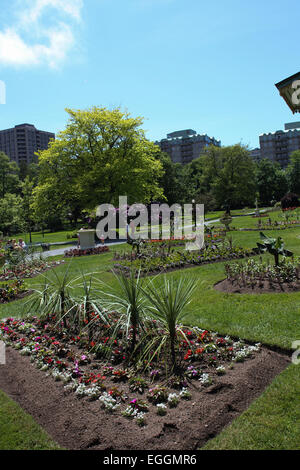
<point x="18" y="429"/>
<point x="270" y="422"/>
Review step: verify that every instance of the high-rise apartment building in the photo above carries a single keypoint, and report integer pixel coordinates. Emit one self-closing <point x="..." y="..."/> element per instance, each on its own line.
<point x="255" y="154"/>
<point x="21" y="142"/>
<point x="185" y="146"/>
<point x="279" y="145"/>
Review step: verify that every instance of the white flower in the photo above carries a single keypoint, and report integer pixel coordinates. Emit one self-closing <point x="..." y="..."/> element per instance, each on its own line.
<point x="72" y="386"/>
<point x="161" y="409"/>
<point x="108" y="402"/>
<point x="93" y="392"/>
<point x="129" y="412"/>
<point x="221" y="370"/>
<point x="25" y="351"/>
<point x="173" y="399"/>
<point x="185" y="394"/>
<point x="140" y="418"/>
<point x="205" y="379"/>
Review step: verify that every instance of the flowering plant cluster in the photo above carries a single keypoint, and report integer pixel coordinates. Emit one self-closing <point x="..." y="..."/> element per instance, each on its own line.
<point x="253" y="272"/>
<point x="59" y="354"/>
<point x="90" y="251"/>
<point x="11" y="291"/>
<point x="164" y="260"/>
<point x="27" y="269"/>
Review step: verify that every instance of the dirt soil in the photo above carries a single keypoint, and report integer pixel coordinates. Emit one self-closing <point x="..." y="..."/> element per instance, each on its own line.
<point x="260" y="287"/>
<point x="80" y="424"/>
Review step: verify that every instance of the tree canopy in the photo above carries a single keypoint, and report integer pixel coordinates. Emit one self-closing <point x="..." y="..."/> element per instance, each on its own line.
<point x="293" y="172"/>
<point x="228" y="173"/>
<point x="101" y="155"/>
<point x="272" y="182"/>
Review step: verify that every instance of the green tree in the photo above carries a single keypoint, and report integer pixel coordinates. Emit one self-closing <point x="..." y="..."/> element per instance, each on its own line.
<point x="11" y="214"/>
<point x="9" y="179"/>
<point x="293" y="173"/>
<point x="28" y="211"/>
<point x="272" y="182"/>
<point x="31" y="170"/>
<point x="49" y="209"/>
<point x="229" y="175"/>
<point x="101" y="155"/>
<point x="172" y="180"/>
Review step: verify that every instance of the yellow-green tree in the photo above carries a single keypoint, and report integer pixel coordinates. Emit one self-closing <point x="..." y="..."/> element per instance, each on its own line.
<point x="101" y="155"/>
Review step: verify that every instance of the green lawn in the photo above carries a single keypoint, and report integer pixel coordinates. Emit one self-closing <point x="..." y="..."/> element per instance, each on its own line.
<point x="272" y="422"/>
<point x="269" y="318"/>
<point x="252" y="222"/>
<point x="18" y="430"/>
<point x="61" y="236"/>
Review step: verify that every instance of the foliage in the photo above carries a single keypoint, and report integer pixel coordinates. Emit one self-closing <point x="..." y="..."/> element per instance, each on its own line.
<point x="253" y="272"/>
<point x="168" y="305"/>
<point x="153" y="258"/>
<point x="20" y="266"/>
<point x="53" y="297"/>
<point x="274" y="246"/>
<point x="127" y="299"/>
<point x="229" y="174"/>
<point x="9" y="178"/>
<point x="272" y="182"/>
<point x="11" y="214"/>
<point x="9" y="292"/>
<point x="293" y="173"/>
<point x="28" y="213"/>
<point x="290" y="200"/>
<point x="99" y="145"/>
<point x="90" y="251"/>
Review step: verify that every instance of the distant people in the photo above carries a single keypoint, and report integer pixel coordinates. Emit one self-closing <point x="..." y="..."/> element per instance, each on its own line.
<point x="15" y="245"/>
<point x="22" y="244"/>
<point x="9" y="245"/>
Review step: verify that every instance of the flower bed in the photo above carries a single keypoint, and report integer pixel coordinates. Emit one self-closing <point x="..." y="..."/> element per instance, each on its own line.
<point x="91" y="251"/>
<point x="173" y="242"/>
<point x="272" y="226"/>
<point x="160" y="261"/>
<point x="13" y="291"/>
<point x="27" y="270"/>
<point x="118" y="387"/>
<point x="257" y="277"/>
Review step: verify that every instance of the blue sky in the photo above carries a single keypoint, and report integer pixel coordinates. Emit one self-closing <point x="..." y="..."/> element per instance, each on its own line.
<point x="209" y="66"/>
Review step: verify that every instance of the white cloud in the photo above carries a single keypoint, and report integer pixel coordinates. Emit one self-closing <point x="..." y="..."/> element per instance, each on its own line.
<point x="39" y="38"/>
<point x="36" y="9"/>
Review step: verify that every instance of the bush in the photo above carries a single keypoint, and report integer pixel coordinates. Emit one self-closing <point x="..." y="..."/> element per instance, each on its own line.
<point x="290" y="201"/>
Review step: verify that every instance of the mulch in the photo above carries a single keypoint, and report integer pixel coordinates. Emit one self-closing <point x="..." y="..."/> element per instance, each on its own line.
<point x="80" y="424"/>
<point x="259" y="287"/>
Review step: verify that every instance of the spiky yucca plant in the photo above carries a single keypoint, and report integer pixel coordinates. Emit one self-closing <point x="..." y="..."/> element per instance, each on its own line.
<point x="168" y="304"/>
<point x="129" y="301"/>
